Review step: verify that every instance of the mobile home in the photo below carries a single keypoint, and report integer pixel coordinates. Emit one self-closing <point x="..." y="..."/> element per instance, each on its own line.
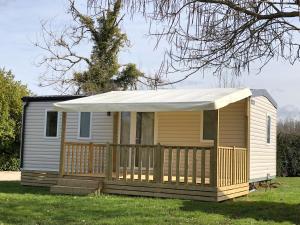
<point x="203" y="144"/>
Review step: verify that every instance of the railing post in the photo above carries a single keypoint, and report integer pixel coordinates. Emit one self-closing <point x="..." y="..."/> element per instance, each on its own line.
<point x="108" y="162"/>
<point x="162" y="160"/>
<point x="233" y="166"/>
<point x="157" y="164"/>
<point x="91" y="157"/>
<point x="214" y="179"/>
<point x="62" y="144"/>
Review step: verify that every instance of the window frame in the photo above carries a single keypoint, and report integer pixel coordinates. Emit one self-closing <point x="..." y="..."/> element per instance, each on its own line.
<point x="79" y="124"/>
<point x="57" y="124"/>
<point x="267" y="125"/>
<point x="202" y="131"/>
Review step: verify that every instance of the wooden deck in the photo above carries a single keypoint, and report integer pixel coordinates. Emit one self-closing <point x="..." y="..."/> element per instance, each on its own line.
<point x="185" y="172"/>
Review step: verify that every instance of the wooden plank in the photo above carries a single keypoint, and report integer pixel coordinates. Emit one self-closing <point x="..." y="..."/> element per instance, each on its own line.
<point x="41" y="181"/>
<point x="81" y="158"/>
<point x="226" y="167"/>
<point x="147" y="163"/>
<point x="132" y="162"/>
<point x="159" y="195"/>
<point x="72" y="159"/>
<point x="232" y="191"/>
<point x="139" y="149"/>
<point x="162" y="160"/>
<point x="62" y="145"/>
<point x="161" y="190"/>
<point x="186" y="165"/>
<point x="115" y="137"/>
<point x="36" y="184"/>
<point x="170" y="165"/>
<point x="39" y="172"/>
<point x="233" y="166"/>
<point x="203" y="167"/>
<point x="103" y="159"/>
<point x="77" y="161"/>
<point x="110" y="163"/>
<point x="98" y="159"/>
<point x="118" y="162"/>
<point x="214" y="152"/>
<point x="68" y="158"/>
<point x="194" y="172"/>
<point x="156" y="172"/>
<point x="115" y="127"/>
<point x="125" y="163"/>
<point x="85" y="159"/>
<point x="222" y="167"/>
<point x="91" y="158"/>
<point x="177" y="165"/>
<point x="232" y="187"/>
<point x="159" y="185"/>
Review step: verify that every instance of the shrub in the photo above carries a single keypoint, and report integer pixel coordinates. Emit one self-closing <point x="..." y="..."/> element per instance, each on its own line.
<point x="288" y="154"/>
<point x="9" y="162"/>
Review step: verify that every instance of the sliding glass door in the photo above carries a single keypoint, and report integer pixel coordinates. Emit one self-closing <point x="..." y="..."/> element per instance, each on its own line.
<point x="144" y="135"/>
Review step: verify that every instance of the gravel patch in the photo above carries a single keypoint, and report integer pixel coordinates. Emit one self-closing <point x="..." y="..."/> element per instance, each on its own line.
<point x="10" y="175"/>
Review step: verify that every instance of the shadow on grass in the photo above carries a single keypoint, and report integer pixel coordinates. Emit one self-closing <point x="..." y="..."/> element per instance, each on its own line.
<point x="15" y="187"/>
<point x="258" y="210"/>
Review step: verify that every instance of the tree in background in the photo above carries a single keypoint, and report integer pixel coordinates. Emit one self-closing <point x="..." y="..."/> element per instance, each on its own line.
<point x="101" y="27"/>
<point x="222" y="35"/>
<point x="11" y="92"/>
<point x="289" y="126"/>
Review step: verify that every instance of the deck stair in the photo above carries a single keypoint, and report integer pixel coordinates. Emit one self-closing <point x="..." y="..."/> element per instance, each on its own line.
<point x="76" y="186"/>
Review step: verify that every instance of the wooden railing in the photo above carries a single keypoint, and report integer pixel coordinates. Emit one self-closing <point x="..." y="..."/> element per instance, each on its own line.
<point x="232" y="166"/>
<point x="156" y="163"/>
<point x="160" y="164"/>
<point x="82" y="158"/>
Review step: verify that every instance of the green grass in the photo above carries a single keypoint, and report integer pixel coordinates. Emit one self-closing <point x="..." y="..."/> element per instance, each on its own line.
<point x="28" y="205"/>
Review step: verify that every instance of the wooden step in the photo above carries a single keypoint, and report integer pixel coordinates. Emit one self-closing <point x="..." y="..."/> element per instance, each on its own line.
<point x="57" y="189"/>
<point x="83" y="177"/>
<point x="78" y="183"/>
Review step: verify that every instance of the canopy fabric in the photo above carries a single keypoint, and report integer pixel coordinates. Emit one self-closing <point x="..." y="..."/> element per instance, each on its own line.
<point x="164" y="100"/>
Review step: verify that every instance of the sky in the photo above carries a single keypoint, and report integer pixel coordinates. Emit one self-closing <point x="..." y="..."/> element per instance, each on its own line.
<point x="20" y="26"/>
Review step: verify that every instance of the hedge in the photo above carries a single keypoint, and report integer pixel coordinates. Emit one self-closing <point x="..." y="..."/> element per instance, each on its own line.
<point x="288" y="155"/>
<point x="9" y="162"/>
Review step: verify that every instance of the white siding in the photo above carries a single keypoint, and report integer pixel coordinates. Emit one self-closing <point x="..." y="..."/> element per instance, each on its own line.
<point x="262" y="154"/>
<point x="42" y="153"/>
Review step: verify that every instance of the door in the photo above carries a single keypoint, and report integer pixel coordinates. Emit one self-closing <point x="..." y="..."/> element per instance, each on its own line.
<point x="144" y="135"/>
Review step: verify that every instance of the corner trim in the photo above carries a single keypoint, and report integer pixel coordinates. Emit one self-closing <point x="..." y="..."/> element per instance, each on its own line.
<point x="26" y="103"/>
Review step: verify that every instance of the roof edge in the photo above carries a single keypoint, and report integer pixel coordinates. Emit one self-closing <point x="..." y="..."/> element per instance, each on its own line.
<point x="50" y="98"/>
<point x="264" y="93"/>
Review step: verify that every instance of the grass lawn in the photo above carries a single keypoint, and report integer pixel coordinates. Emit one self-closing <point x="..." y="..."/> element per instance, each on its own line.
<point x="28" y="205"/>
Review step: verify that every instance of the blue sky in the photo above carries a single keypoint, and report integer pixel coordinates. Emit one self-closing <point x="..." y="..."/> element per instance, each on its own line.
<point x="20" y="26"/>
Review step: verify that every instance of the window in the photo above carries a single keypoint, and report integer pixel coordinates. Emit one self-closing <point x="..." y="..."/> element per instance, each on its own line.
<point x="85" y="125"/>
<point x="125" y="128"/>
<point x="51" y="124"/>
<point x="268" y="129"/>
<point x="208" y="125"/>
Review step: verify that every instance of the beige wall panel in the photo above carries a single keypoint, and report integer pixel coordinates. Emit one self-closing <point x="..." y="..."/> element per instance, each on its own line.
<point x="262" y="154"/>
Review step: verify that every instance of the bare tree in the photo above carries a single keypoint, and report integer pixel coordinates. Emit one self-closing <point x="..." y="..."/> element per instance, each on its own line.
<point x="98" y="29"/>
<point x="222" y="34"/>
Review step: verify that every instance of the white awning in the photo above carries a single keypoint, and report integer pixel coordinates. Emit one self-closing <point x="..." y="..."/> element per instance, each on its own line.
<point x="164" y="100"/>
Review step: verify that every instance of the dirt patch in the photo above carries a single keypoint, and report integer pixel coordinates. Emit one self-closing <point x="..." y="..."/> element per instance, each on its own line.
<point x="10" y="175"/>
